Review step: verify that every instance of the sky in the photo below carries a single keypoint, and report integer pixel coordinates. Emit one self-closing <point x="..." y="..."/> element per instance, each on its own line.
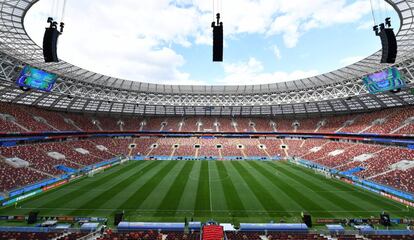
<point x="170" y="41"/>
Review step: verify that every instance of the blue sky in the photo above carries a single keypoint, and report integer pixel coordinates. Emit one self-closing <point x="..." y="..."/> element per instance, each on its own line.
<point x="169" y="41"/>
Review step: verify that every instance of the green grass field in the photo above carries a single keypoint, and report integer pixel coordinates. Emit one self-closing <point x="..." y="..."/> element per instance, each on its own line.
<point x="243" y="191"/>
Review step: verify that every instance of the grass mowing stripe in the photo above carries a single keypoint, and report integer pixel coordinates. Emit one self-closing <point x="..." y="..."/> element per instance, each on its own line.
<point x="332" y="189"/>
<point x="143" y="192"/>
<point x="233" y="201"/>
<point x="218" y="200"/>
<point x="359" y="193"/>
<point x="264" y="196"/>
<point x="71" y="186"/>
<point x="331" y="197"/>
<point x="364" y="194"/>
<point x="116" y="201"/>
<point x="303" y="200"/>
<point x="74" y="193"/>
<point x="279" y="183"/>
<point x="173" y="196"/>
<point x="275" y="190"/>
<point x="188" y="198"/>
<point x="153" y="200"/>
<point x="202" y="206"/>
<point x="100" y="199"/>
<point x="72" y="206"/>
<point x="250" y="202"/>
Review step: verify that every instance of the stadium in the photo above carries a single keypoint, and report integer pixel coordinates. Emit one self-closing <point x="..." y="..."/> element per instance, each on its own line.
<point x="87" y="156"/>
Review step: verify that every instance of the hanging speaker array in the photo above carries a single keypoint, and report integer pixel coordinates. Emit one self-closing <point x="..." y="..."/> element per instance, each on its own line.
<point x="52" y="33"/>
<point x="217" y="39"/>
<point x="50" y="40"/>
<point x="388" y="41"/>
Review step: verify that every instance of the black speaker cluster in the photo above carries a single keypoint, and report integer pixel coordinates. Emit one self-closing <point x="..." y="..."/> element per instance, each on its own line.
<point x="217" y="39"/>
<point x="388" y="41"/>
<point x="50" y="40"/>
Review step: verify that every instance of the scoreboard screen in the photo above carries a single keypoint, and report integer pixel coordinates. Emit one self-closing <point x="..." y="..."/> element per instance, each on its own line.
<point x="387" y="80"/>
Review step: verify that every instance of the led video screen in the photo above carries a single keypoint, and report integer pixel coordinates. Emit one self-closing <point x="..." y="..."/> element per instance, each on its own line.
<point x="34" y="78"/>
<point x="387" y="80"/>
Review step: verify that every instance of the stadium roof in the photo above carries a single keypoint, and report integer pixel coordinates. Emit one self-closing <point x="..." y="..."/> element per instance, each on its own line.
<point x="78" y="89"/>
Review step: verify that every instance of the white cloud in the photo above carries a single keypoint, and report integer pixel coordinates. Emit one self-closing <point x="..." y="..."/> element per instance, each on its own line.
<point x="119" y="41"/>
<point x="350" y="60"/>
<point x="252" y="72"/>
<point x="250" y="67"/>
<point x="298" y="17"/>
<point x="276" y="52"/>
<point x="365" y="25"/>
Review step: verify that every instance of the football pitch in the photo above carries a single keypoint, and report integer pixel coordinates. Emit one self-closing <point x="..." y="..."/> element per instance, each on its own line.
<point x="227" y="191"/>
